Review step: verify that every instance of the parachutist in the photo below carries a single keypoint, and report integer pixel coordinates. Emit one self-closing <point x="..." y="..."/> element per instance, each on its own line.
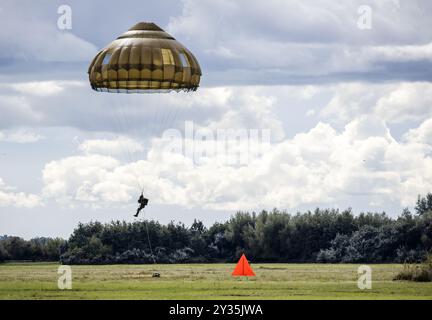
<point x="144" y="59"/>
<point x="143" y="202"/>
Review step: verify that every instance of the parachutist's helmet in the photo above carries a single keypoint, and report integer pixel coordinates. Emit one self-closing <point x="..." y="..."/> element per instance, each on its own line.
<point x="144" y="59"/>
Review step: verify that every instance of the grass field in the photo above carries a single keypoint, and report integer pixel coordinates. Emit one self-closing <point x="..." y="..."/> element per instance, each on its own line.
<point x="206" y="281"/>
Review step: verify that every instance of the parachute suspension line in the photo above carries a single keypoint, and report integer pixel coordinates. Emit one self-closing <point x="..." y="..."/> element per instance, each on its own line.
<point x="170" y="118"/>
<point x="118" y="129"/>
<point x="129" y="126"/>
<point x="167" y="120"/>
<point x="121" y="121"/>
<point x="133" y="160"/>
<point x="148" y="132"/>
<point x="160" y="121"/>
<point x="163" y="122"/>
<point x="148" y="239"/>
<point x="175" y="115"/>
<point x="156" y="121"/>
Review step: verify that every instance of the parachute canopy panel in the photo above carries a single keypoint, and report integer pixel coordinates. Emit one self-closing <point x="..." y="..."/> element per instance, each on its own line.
<point x="144" y="59"/>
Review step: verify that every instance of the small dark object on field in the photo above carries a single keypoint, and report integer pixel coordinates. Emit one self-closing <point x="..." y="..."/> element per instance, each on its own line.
<point x="156" y="275"/>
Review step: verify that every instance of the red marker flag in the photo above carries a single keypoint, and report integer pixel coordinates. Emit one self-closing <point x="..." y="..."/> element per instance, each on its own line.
<point x="243" y="268"/>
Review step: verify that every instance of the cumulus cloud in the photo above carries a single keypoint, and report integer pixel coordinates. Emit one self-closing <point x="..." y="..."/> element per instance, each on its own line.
<point x="320" y="166"/>
<point x="395" y="103"/>
<point x="74" y="104"/>
<point x="422" y="134"/>
<point x="339" y="135"/>
<point x="297" y="21"/>
<point x="280" y="39"/>
<point x="9" y="197"/>
<point x="118" y="146"/>
<point x="247" y="42"/>
<point x="82" y="178"/>
<point x="408" y="101"/>
<point x="42" y="88"/>
<point x="401" y="53"/>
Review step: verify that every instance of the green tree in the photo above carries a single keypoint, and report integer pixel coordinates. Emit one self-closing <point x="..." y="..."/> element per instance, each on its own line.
<point x="4" y="255"/>
<point x="424" y="204"/>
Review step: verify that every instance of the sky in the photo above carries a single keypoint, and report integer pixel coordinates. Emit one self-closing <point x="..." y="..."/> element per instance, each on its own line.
<point x="332" y="102"/>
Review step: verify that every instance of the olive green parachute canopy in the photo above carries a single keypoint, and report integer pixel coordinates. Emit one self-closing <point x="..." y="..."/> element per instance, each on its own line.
<point x="144" y="59"/>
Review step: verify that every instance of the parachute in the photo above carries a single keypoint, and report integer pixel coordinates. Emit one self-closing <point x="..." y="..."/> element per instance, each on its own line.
<point x="144" y="59"/>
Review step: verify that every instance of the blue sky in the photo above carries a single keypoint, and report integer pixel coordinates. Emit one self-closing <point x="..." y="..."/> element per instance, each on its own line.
<point x="349" y="111"/>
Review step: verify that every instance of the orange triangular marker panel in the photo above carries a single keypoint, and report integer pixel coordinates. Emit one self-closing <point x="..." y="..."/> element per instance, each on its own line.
<point x="243" y="268"/>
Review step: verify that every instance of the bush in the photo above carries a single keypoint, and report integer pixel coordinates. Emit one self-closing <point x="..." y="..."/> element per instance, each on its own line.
<point x="181" y="255"/>
<point x="328" y="256"/>
<point x="418" y="273"/>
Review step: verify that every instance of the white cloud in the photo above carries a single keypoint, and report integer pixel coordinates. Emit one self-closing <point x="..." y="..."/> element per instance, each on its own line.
<point x="42" y="88"/>
<point x="401" y="53"/>
<point x="75" y="178"/>
<point x="248" y="107"/>
<point x="310" y="112"/>
<point x="27" y="36"/>
<point x="74" y="104"/>
<point x="332" y="144"/>
<point x="281" y="36"/>
<point x="118" y="146"/>
<point x="20" y="136"/>
<point x="10" y="198"/>
<point x="246" y="41"/>
<point x="408" y="101"/>
<point x="395" y="103"/>
<point x="321" y="166"/>
<point x="223" y="52"/>
<point x="317" y="167"/>
<point x="298" y="21"/>
<point x="421" y="135"/>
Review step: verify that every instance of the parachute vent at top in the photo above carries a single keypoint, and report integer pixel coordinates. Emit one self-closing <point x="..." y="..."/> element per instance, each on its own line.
<point x="144" y="59"/>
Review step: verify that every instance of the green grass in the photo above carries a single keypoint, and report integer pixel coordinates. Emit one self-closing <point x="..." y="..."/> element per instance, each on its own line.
<point x="206" y="281"/>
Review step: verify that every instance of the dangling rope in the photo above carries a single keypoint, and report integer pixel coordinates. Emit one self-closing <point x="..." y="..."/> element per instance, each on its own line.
<point x="148" y="239"/>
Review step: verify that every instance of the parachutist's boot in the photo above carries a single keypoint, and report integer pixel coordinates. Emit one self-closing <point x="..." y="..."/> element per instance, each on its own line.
<point x="138" y="211"/>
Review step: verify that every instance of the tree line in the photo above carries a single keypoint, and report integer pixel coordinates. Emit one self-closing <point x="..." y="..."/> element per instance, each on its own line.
<point x="37" y="249"/>
<point x="324" y="235"/>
